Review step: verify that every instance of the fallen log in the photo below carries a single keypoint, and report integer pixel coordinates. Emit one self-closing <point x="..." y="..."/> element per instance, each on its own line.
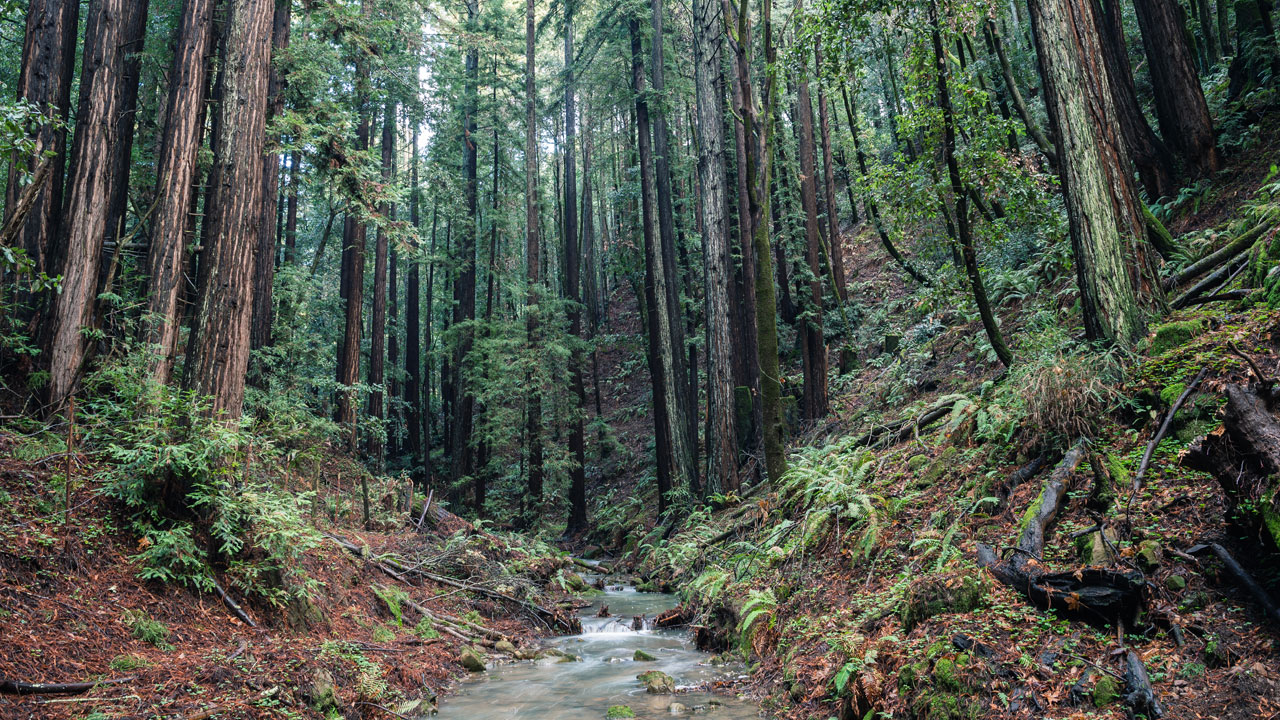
<point x="675" y="617"/>
<point x="1221" y="275"/>
<point x="1091" y="594"/>
<point x="1019" y="476"/>
<point x="1138" y="691"/>
<point x="15" y="687"/>
<point x="904" y="427"/>
<point x="1225" y="254"/>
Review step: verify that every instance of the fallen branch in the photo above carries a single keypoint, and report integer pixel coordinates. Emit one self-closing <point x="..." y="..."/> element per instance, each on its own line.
<point x="232" y="606"/>
<point x="14" y="687"/>
<point x="398" y="571"/>
<point x="1243" y="577"/>
<point x="1220" y="297"/>
<point x="1093" y="594"/>
<point x="1164" y="428"/>
<point x="1221" y="275"/>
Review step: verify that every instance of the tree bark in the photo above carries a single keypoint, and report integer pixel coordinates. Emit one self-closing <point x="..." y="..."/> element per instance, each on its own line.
<point x="813" y="346"/>
<point x="573" y="261"/>
<point x="684" y="443"/>
<point x="89" y="191"/>
<point x="1114" y="271"/>
<point x="413" y="321"/>
<point x="722" y="455"/>
<point x="218" y="352"/>
<point x="1181" y="109"/>
<point x="176" y="175"/>
<point x="533" y="412"/>
<point x="45" y="79"/>
<point x="759" y="166"/>
<point x="378" y="329"/>
<point x="961" y="198"/>
<point x="464" y="287"/>
<point x="1152" y="159"/>
<point x="265" y="265"/>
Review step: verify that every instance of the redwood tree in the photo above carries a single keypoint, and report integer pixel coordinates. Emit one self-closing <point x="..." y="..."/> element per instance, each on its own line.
<point x="1113" y="265"/>
<point x="218" y="352"/>
<point x="176" y="172"/>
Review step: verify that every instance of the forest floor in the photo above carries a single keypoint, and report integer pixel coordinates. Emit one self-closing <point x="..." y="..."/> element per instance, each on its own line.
<point x="73" y="608"/>
<point x="855" y="586"/>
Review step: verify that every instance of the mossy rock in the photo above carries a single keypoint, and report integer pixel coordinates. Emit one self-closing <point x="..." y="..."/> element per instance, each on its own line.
<point x="642" y="656"/>
<point x="657" y="682"/>
<point x="1176" y="583"/>
<point x="619" y="711"/>
<point x="1105" y="691"/>
<point x="916" y="462"/>
<point x="574" y="582"/>
<point x="321" y="695"/>
<point x="1175" y="334"/>
<point x="472" y="660"/>
<point x="939" y="594"/>
<point x="1095" y="549"/>
<point x="1150" y="555"/>
<point x="909" y="676"/>
<point x="944" y="674"/>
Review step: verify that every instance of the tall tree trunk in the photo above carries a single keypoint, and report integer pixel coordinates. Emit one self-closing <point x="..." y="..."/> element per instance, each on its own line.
<point x="413" y="321"/>
<point x="45" y="79"/>
<point x="682" y="412"/>
<point x="713" y="210"/>
<point x="961" y="197"/>
<point x="135" y="26"/>
<point x="378" y="329"/>
<point x="813" y="344"/>
<point x="1151" y="158"/>
<point x="1181" y="110"/>
<point x="89" y="190"/>
<point x="573" y="261"/>
<point x="291" y="210"/>
<point x="759" y="168"/>
<point x="829" y="182"/>
<point x="1113" y="266"/>
<point x="1019" y="103"/>
<point x="533" y="416"/>
<point x="176" y="173"/>
<point x="464" y="288"/>
<point x="661" y="370"/>
<point x="265" y="273"/>
<point x="218" y="352"/>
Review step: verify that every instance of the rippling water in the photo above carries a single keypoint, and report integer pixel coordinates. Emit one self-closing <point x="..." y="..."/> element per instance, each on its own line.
<point x="606" y="675"/>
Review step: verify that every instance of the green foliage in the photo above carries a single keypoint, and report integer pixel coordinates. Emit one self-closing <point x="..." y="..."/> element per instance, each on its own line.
<point x="757" y="612"/>
<point x="147" y="629"/>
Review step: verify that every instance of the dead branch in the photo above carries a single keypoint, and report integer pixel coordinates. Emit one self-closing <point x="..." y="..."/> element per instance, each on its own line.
<point x="232" y="606"/>
<point x="1243" y="577"/>
<point x="14" y="687"/>
<point x="1164" y="428"/>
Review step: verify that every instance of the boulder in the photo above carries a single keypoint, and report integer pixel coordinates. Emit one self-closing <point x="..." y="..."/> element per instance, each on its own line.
<point x="472" y="660"/>
<point x="642" y="656"/>
<point x="505" y="647"/>
<point x="657" y="682"/>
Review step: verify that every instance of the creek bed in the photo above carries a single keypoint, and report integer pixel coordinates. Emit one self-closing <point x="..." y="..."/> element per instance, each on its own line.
<point x="552" y="689"/>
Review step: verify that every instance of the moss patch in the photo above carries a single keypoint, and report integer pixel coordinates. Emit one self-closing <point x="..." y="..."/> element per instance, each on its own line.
<point x="1175" y="334"/>
<point x="936" y="595"/>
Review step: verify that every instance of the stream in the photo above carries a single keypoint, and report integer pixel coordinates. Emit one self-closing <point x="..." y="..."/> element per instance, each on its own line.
<point x="552" y="689"/>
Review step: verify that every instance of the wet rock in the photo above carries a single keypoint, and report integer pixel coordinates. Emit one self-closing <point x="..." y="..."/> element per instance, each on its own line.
<point x="505" y="647"/>
<point x="619" y="711"/>
<point x="657" y="682"/>
<point x="642" y="656"/>
<point x="472" y="660"/>
<point x="676" y="708"/>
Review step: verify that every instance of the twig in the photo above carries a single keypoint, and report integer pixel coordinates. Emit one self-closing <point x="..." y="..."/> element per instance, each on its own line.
<point x="239" y="651"/>
<point x="14" y="687"/>
<point x="1266" y="382"/>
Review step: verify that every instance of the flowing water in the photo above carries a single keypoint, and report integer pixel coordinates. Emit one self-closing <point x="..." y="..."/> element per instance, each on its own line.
<point x="550" y="689"/>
